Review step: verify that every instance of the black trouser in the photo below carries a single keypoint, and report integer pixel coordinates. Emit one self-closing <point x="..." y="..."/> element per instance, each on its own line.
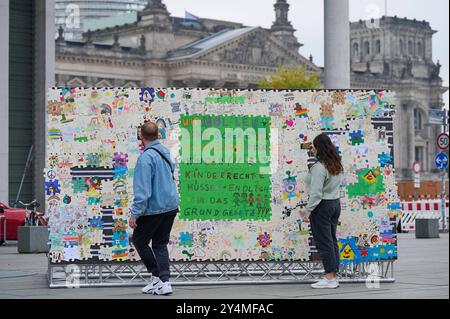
<point x="157" y="229"/>
<point x="324" y="220"/>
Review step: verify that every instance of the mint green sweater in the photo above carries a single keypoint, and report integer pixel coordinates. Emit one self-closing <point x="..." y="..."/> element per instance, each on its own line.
<point x="321" y="185"/>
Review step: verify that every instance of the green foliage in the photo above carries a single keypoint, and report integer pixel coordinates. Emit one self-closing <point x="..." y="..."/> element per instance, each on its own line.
<point x="291" y="78"/>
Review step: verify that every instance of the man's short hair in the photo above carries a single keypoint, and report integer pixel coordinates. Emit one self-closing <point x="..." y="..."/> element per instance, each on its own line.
<point x="149" y="131"/>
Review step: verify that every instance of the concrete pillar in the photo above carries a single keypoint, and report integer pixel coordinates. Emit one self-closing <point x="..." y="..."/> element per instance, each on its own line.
<point x="44" y="79"/>
<point x="337" y="44"/>
<point x="4" y="97"/>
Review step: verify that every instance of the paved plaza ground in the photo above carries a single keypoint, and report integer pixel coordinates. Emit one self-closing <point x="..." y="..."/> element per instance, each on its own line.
<point x="422" y="271"/>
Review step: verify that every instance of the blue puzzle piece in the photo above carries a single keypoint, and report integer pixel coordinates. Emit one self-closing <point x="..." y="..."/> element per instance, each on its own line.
<point x="384" y="159"/>
<point x="96" y="222"/>
<point x="120" y="239"/>
<point x="147" y="94"/>
<point x="120" y="171"/>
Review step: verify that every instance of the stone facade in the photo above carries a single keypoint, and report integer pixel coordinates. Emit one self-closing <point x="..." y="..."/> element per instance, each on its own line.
<point x="164" y="51"/>
<point x="161" y="50"/>
<point x="396" y="54"/>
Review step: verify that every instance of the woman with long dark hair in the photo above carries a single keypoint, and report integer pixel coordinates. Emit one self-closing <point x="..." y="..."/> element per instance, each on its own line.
<point x="324" y="207"/>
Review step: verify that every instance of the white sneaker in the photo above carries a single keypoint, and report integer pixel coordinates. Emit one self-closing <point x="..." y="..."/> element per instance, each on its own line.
<point x="163" y="288"/>
<point x="326" y="284"/>
<point x="154" y="282"/>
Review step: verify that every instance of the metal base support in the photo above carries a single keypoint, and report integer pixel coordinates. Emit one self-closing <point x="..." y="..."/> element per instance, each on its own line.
<point x="214" y="273"/>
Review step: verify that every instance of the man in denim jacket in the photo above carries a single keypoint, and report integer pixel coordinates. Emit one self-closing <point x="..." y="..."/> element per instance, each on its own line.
<point x="154" y="209"/>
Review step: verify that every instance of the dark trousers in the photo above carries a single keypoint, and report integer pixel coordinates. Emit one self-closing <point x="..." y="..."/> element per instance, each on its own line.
<point x="154" y="228"/>
<point x="324" y="220"/>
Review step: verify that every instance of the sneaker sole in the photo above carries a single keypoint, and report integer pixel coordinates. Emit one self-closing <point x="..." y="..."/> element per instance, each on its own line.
<point x="150" y="292"/>
<point x="325" y="287"/>
<point x="167" y="294"/>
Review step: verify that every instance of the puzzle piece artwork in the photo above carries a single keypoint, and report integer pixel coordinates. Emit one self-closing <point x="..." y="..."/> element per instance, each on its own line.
<point x="357" y="137"/>
<point x="239" y="200"/>
<point x="385" y="159"/>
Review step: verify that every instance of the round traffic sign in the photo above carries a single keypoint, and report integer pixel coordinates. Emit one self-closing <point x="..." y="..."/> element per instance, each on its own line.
<point x="416" y="167"/>
<point x="442" y="141"/>
<point x="441" y="161"/>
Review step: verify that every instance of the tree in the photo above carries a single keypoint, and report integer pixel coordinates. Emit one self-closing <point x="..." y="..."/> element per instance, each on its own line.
<point x="291" y="78"/>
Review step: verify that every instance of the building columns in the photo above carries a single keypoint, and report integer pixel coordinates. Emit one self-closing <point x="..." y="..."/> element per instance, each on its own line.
<point x="337" y="44"/>
<point x="408" y="139"/>
<point x="4" y="96"/>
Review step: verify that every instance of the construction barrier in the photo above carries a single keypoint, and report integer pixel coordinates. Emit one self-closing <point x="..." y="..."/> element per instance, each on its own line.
<point x="428" y="209"/>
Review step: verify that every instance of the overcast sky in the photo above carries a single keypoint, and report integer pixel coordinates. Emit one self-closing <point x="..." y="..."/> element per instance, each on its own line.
<point x="307" y="17"/>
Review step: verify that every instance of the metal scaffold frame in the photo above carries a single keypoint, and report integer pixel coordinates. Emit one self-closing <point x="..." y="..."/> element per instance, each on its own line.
<point x="214" y="273"/>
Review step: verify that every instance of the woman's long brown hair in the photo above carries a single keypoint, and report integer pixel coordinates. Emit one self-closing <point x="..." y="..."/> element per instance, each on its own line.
<point x="327" y="154"/>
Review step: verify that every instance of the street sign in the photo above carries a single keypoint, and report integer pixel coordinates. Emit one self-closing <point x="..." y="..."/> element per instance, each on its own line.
<point x="442" y="141"/>
<point x="436" y="116"/>
<point x="417" y="180"/>
<point x="416" y="167"/>
<point x="441" y="161"/>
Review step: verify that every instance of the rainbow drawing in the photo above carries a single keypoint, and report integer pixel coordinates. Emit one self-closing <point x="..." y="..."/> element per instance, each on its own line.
<point x="105" y="109"/>
<point x="300" y="112"/>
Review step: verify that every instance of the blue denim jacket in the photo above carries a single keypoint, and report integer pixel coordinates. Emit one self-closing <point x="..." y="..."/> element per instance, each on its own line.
<point x="155" y="191"/>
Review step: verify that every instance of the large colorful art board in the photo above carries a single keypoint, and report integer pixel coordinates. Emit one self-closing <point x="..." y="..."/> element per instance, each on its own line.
<point x="242" y="157"/>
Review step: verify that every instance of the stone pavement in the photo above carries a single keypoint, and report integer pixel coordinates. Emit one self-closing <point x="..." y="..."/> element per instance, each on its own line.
<point x="422" y="271"/>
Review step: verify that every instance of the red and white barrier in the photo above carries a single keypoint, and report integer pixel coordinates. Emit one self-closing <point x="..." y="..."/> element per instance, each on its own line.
<point x="428" y="209"/>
